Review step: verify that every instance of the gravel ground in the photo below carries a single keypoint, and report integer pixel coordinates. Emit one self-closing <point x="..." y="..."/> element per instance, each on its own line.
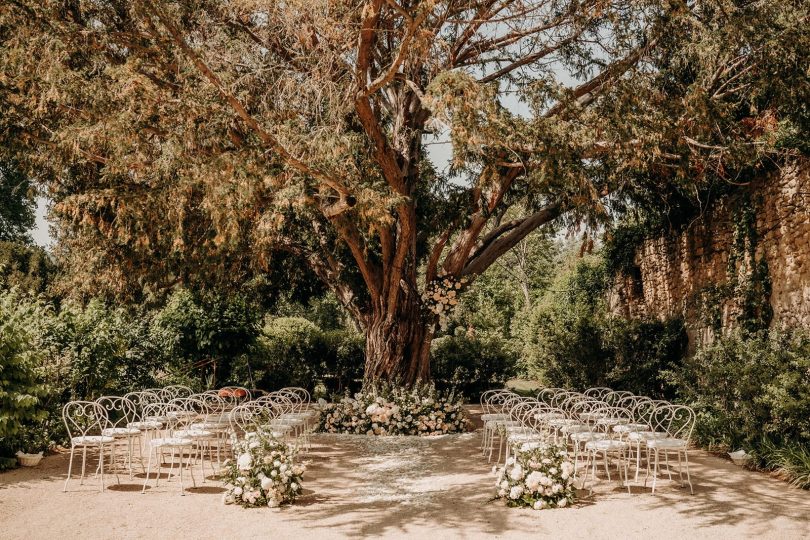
<point x="401" y="487"/>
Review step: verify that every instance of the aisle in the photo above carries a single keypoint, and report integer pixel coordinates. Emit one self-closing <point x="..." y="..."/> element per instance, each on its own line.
<point x="401" y="487"/>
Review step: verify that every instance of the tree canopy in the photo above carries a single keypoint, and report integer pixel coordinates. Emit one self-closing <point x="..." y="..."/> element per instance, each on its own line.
<point x="210" y="140"/>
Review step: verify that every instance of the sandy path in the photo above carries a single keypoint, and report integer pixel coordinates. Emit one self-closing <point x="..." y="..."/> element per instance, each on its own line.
<point x="360" y="487"/>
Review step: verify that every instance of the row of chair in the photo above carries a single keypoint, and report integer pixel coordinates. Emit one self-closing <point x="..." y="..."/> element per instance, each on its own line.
<point x="190" y="427"/>
<point x="599" y="422"/>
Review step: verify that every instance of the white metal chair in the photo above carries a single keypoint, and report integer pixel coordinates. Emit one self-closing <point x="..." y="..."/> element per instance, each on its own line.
<point x="121" y="413"/>
<point x="178" y="446"/>
<point x="84" y="421"/>
<point x="677" y="421"/>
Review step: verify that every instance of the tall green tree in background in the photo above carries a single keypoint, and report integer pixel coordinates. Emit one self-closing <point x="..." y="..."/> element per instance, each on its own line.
<point x="17" y="204"/>
<point x="207" y="140"/>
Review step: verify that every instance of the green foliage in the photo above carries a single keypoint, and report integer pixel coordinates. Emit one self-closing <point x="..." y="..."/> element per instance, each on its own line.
<point x="790" y="461"/>
<point x="573" y="341"/>
<point x="17" y="205"/>
<point x="746" y="388"/>
<point x="471" y="364"/>
<point x="293" y="351"/>
<point x="27" y="268"/>
<point x="21" y="391"/>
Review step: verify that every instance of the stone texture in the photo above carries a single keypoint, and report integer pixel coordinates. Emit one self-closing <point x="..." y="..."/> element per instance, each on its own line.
<point x="675" y="270"/>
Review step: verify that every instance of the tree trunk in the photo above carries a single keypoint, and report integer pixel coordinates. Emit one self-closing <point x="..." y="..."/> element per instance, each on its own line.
<point x="398" y="345"/>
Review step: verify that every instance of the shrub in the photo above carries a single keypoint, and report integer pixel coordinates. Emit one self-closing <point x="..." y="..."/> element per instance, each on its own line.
<point x="471" y="364"/>
<point x="21" y="391"/>
<point x="575" y="342"/>
<point x="749" y="387"/>
<point x="390" y="410"/>
<point x="285" y="354"/>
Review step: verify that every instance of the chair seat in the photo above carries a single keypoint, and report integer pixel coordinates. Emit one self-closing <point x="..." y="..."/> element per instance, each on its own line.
<point x="155" y="418"/>
<point x="606" y="445"/>
<point x="641" y="436"/>
<point x="290" y="420"/>
<point x="585" y="436"/>
<point x="171" y="442"/>
<point x="494" y="416"/>
<point x="145" y="425"/>
<point x="209" y="425"/>
<point x="560" y="422"/>
<point x="194" y="434"/>
<point x="548" y="416"/>
<point x="575" y="428"/>
<point x="91" y="440"/>
<point x="272" y="433"/>
<point x="120" y="432"/>
<point x="627" y="428"/>
<point x="667" y="444"/>
<point x="611" y="421"/>
<point x="279" y="428"/>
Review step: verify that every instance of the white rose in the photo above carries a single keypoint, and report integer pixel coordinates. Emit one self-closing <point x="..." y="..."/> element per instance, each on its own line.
<point x="562" y="503"/>
<point x="237" y="491"/>
<point x="539" y="505"/>
<point x="244" y="462"/>
<point x="516" y="473"/>
<point x="515" y="492"/>
<point x="267" y="483"/>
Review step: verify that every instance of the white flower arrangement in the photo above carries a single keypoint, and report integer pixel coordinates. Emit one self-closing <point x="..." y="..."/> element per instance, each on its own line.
<point x="441" y="297"/>
<point x="538" y="476"/>
<point x="420" y="410"/>
<point x="264" y="473"/>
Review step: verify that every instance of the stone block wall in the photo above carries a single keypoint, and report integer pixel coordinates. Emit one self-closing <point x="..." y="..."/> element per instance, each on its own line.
<point x="673" y="273"/>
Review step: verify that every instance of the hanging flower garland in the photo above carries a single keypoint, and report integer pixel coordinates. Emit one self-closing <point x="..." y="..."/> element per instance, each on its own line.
<point x="441" y="297"/>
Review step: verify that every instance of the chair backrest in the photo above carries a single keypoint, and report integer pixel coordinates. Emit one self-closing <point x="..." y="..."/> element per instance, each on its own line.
<point x="177" y="390"/>
<point x="546" y="394"/>
<point x="140" y="400"/>
<point x="250" y="417"/>
<point x="120" y="410"/>
<point x="677" y="421"/>
<point x="597" y="392"/>
<point x="613" y="397"/>
<point x="84" y="418"/>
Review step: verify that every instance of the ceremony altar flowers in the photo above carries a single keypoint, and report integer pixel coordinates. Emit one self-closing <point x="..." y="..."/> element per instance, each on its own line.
<point x="263" y="473"/>
<point x="538" y="476"/>
<point x="390" y="410"/>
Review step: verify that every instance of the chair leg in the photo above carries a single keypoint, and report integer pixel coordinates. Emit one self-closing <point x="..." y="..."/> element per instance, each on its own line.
<point x="180" y="456"/>
<point x="607" y="465"/>
<point x="70" y="467"/>
<point x="688" y="479"/>
<point x="655" y="471"/>
<point x="101" y="465"/>
<point x="84" y="461"/>
<point x="149" y="470"/>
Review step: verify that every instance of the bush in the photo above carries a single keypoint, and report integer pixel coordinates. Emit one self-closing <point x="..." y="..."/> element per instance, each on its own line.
<point x="747" y="388"/>
<point x="574" y="341"/>
<point x="21" y="391"/>
<point x="293" y="351"/>
<point x="471" y="364"/>
<point x="752" y="391"/>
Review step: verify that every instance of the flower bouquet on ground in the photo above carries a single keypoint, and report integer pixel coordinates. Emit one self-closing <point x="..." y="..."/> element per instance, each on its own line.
<point x="264" y="473"/>
<point x="538" y="476"/>
<point x="391" y="410"/>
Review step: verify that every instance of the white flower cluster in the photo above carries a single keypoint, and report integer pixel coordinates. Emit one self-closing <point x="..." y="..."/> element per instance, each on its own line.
<point x="538" y="476"/>
<point x="263" y="474"/>
<point x="394" y="411"/>
<point x="441" y="296"/>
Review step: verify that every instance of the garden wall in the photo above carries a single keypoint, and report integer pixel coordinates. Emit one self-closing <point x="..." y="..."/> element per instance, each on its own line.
<point x="712" y="273"/>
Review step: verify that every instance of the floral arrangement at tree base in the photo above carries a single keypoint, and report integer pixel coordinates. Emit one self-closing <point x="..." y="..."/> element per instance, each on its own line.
<point x="392" y="410"/>
<point x="264" y="473"/>
<point x="539" y="476"/>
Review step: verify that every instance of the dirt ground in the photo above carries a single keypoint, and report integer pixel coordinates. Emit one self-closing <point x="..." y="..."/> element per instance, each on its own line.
<point x="401" y="487"/>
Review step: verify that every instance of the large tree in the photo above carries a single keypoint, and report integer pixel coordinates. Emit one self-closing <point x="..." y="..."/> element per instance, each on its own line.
<point x="204" y="139"/>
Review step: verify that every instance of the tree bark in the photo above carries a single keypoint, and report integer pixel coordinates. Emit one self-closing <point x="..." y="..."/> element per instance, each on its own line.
<point x="398" y="343"/>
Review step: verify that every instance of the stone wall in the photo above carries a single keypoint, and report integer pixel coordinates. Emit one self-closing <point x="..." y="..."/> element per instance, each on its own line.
<point x="675" y="275"/>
